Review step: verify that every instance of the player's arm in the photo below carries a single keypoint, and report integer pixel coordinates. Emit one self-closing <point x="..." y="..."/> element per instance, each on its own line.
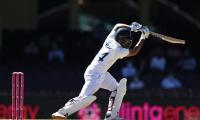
<point x="135" y="50"/>
<point x="134" y="26"/>
<point x="120" y="25"/>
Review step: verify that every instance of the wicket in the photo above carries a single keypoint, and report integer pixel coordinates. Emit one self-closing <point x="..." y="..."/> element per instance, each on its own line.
<point x="17" y="95"/>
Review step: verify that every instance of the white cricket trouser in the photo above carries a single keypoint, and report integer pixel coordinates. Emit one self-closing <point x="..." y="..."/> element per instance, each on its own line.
<point x="96" y="81"/>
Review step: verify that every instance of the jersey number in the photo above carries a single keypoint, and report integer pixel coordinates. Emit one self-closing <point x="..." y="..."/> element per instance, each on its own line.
<point x="103" y="56"/>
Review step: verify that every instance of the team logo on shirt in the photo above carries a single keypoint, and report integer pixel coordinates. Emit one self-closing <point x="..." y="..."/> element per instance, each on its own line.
<point x="107" y="45"/>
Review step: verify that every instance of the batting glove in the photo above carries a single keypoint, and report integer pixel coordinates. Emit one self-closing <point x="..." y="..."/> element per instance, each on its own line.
<point x="135" y="26"/>
<point x="145" y="31"/>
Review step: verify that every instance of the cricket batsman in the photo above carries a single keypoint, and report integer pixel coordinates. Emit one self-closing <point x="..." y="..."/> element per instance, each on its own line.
<point x="118" y="44"/>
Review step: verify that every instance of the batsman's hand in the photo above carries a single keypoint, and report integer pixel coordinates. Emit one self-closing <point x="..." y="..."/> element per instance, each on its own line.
<point x="135" y="26"/>
<point x="145" y="32"/>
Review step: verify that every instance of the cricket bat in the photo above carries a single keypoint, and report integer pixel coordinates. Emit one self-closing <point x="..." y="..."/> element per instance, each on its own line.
<point x="167" y="38"/>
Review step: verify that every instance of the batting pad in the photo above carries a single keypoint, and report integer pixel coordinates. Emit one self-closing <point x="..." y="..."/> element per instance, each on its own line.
<point x="82" y="103"/>
<point x="121" y="91"/>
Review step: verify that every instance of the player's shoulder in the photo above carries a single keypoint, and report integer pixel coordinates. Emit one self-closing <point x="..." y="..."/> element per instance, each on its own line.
<point x="111" y="43"/>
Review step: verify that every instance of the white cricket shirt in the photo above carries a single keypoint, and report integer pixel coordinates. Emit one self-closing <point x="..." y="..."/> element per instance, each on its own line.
<point x="110" y="52"/>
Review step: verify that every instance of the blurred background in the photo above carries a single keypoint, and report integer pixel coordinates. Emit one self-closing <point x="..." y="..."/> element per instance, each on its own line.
<point x="53" y="41"/>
